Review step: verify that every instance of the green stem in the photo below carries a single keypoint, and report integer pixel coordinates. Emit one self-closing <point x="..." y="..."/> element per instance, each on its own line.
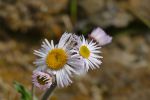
<point x="32" y="91"/>
<point x="49" y="91"/>
<point x="73" y="10"/>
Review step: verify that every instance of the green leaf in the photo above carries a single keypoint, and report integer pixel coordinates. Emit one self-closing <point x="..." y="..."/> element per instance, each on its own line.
<point x="25" y="94"/>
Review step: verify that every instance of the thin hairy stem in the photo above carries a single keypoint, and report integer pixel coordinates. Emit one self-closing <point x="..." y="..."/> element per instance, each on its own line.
<point x="32" y="91"/>
<point x="49" y="91"/>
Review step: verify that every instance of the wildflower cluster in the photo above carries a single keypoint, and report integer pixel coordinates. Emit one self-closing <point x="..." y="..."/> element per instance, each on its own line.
<point x="73" y="55"/>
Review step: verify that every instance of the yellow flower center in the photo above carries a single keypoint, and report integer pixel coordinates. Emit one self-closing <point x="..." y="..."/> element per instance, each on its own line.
<point x="42" y="80"/>
<point x="84" y="51"/>
<point x="56" y="59"/>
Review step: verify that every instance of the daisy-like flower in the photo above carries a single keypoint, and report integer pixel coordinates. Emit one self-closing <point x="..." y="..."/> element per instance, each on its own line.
<point x="58" y="59"/>
<point x="41" y="79"/>
<point x="88" y="52"/>
<point x="100" y="36"/>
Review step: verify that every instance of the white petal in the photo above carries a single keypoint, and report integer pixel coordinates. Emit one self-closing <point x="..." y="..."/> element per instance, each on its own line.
<point x="38" y="53"/>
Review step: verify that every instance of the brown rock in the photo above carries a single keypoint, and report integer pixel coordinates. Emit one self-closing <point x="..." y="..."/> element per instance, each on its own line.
<point x="24" y="16"/>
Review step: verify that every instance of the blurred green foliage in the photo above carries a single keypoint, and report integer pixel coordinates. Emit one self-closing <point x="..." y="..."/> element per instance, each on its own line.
<point x="25" y="94"/>
<point x="73" y="10"/>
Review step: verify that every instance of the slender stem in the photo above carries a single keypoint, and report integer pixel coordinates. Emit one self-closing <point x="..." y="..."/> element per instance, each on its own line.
<point x="49" y="91"/>
<point x="32" y="91"/>
<point x="73" y="10"/>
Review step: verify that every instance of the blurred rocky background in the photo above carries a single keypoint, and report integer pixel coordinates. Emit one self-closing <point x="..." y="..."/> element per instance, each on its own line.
<point x="125" y="72"/>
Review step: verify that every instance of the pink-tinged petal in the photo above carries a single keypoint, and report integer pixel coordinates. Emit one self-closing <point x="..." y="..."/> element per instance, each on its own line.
<point x="100" y="36"/>
<point x="42" y="76"/>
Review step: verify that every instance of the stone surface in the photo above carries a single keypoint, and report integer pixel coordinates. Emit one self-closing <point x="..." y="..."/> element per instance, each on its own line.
<point x="34" y="16"/>
<point x="141" y="10"/>
<point x="106" y="13"/>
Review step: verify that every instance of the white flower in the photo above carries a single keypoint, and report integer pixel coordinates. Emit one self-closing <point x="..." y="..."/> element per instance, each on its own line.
<point x="100" y="36"/>
<point x="41" y="79"/>
<point x="58" y="60"/>
<point x="88" y="52"/>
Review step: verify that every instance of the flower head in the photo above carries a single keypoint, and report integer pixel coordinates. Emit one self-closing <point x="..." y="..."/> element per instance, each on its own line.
<point x="88" y="52"/>
<point x="100" y="36"/>
<point x="41" y="79"/>
<point x="59" y="59"/>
